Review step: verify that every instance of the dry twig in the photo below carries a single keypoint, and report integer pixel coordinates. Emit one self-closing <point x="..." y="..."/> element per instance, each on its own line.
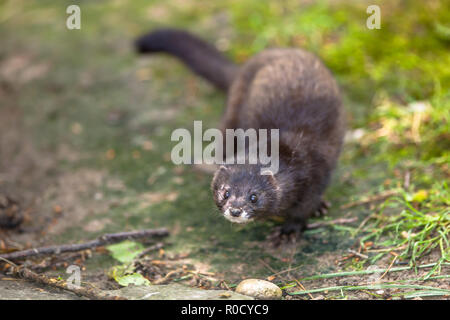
<point x="317" y="225"/>
<point x="101" y="241"/>
<point x="90" y="293"/>
<point x="377" y="197"/>
<point x="155" y="247"/>
<point x="358" y="254"/>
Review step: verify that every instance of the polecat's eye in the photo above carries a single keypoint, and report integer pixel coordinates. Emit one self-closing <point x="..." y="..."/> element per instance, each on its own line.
<point x="253" y="198"/>
<point x="226" y="195"/>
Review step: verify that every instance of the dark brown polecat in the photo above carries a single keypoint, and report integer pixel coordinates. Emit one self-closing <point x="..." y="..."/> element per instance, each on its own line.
<point x="286" y="89"/>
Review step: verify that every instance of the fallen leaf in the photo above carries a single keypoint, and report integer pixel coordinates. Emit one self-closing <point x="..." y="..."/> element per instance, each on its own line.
<point x="125" y="251"/>
<point x="420" y="196"/>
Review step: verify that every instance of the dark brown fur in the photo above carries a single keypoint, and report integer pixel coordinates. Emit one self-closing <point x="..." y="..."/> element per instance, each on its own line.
<point x="286" y="89"/>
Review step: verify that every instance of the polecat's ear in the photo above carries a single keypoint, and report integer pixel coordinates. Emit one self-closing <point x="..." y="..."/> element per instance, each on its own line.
<point x="219" y="175"/>
<point x="221" y="171"/>
<point x="267" y="172"/>
<point x="272" y="179"/>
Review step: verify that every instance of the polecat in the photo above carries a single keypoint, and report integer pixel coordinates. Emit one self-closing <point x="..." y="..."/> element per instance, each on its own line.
<point x="286" y="89"/>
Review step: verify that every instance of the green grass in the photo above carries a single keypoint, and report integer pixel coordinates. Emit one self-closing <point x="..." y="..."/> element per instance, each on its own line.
<point x="414" y="232"/>
<point x="364" y="272"/>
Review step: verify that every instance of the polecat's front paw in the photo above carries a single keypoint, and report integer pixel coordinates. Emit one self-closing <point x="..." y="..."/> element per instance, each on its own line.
<point x="288" y="233"/>
<point x="322" y="209"/>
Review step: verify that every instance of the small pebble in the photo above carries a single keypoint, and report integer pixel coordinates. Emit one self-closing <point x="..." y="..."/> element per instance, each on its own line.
<point x="259" y="289"/>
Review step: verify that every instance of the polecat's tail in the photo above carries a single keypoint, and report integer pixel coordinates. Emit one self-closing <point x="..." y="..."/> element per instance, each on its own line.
<point x="198" y="55"/>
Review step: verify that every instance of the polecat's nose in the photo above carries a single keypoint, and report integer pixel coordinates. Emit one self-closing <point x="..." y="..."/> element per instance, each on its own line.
<point x="235" y="212"/>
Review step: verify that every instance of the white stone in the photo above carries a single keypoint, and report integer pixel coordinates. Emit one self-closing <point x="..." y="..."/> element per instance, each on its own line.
<point x="260" y="289"/>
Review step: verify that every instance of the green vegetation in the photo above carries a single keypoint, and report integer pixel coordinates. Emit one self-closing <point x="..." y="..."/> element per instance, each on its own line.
<point x="415" y="233"/>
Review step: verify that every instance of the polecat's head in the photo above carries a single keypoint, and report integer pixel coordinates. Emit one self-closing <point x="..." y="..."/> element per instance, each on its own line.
<point x="243" y="194"/>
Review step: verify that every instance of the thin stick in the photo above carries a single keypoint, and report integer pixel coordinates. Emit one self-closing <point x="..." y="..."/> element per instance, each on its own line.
<point x="356" y="253"/>
<point x="101" y="241"/>
<point x="287" y="270"/>
<point x="266" y="265"/>
<point x="390" y="266"/>
<point x="225" y="284"/>
<point x="9" y="262"/>
<point x="388" y="249"/>
<point x="378" y="197"/>
<point x="317" y="225"/>
<point x="91" y="293"/>
<point x="167" y="276"/>
<point x="303" y="288"/>
<point x="363" y="223"/>
<point x="155" y="247"/>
